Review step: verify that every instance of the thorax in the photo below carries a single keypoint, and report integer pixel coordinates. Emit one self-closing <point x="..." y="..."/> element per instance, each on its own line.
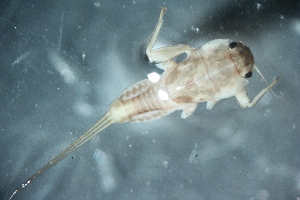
<point x="202" y="77"/>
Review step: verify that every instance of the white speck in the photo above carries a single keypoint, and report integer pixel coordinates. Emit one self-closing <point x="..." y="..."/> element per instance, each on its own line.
<point x="165" y="163"/>
<point x="258" y="5"/>
<point x="195" y="29"/>
<point x="163" y="95"/>
<point x="83" y="56"/>
<point x="154" y="77"/>
<point x="193" y="155"/>
<point x="178" y="88"/>
<point x="97" y="4"/>
<point x="281" y="17"/>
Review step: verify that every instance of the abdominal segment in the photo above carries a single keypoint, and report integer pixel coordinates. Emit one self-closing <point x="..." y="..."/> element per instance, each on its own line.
<point x="147" y="106"/>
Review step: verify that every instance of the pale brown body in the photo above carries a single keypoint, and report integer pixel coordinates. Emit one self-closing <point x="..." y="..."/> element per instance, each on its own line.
<point x="216" y="71"/>
<point x="211" y="73"/>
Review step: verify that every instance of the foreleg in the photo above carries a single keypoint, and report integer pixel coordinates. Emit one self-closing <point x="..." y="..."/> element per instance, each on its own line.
<point x="243" y="99"/>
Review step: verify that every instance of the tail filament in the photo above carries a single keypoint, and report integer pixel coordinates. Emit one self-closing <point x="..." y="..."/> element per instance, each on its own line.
<point x="103" y="123"/>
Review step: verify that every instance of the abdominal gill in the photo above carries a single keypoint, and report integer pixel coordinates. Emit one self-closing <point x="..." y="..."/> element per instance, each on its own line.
<point x="103" y="123"/>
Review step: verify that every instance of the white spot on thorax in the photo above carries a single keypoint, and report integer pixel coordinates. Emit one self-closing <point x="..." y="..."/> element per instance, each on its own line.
<point x="154" y="77"/>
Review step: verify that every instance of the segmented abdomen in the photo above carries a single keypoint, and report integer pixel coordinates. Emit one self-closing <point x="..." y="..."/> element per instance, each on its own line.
<point x="146" y="106"/>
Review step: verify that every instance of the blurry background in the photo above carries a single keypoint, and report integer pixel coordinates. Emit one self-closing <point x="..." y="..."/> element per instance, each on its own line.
<point x="63" y="62"/>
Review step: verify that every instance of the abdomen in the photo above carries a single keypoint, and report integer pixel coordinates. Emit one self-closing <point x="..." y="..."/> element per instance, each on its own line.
<point x="147" y="106"/>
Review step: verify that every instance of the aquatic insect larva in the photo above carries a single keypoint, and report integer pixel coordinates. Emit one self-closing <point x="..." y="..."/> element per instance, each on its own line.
<point x="216" y="71"/>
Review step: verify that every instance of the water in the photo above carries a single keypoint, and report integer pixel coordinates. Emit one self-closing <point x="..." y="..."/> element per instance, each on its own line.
<point x="63" y="63"/>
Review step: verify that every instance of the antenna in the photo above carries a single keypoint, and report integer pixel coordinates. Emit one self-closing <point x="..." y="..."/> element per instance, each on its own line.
<point x="258" y="71"/>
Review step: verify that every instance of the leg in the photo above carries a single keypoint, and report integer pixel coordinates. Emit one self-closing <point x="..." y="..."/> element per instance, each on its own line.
<point x="165" y="53"/>
<point x="188" y="109"/>
<point x="243" y="98"/>
<point x="210" y="104"/>
<point x="167" y="65"/>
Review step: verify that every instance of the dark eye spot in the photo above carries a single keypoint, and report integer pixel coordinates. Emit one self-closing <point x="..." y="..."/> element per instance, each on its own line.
<point x="232" y="45"/>
<point x="248" y="75"/>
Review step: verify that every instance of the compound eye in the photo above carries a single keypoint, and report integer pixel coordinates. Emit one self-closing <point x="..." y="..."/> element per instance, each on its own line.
<point x="248" y="75"/>
<point x="232" y="45"/>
